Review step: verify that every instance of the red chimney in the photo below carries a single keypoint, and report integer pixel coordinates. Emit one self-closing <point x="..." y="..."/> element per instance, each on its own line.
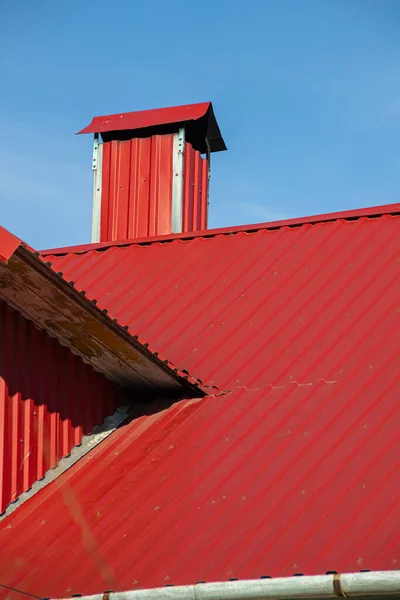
<point x="150" y="177"/>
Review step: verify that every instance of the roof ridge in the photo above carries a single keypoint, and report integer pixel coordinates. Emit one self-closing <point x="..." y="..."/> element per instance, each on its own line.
<point x="349" y="215"/>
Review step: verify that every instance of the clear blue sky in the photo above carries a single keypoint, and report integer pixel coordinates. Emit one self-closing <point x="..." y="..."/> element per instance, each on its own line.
<point x="307" y="94"/>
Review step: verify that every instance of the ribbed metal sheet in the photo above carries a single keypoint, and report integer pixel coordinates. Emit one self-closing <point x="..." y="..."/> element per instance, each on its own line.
<point x="195" y="191"/>
<point x="251" y="309"/>
<point x="136" y="198"/>
<point x="136" y="188"/>
<point x="272" y="482"/>
<point x="49" y="398"/>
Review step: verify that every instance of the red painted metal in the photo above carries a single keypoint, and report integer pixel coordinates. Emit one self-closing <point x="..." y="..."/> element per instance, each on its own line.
<point x="136" y="188"/>
<point x="374" y="211"/>
<point x="292" y="468"/>
<point x="271" y="482"/>
<point x="268" y="307"/>
<point x="137" y="191"/>
<point x="147" y="118"/>
<point x="136" y="200"/>
<point x="49" y="398"/>
<point x="8" y="244"/>
<point x="198" y="118"/>
<point x="195" y="192"/>
<point x="48" y="395"/>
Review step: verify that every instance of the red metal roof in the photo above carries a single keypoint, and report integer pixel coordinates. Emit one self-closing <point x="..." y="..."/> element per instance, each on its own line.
<point x="276" y="481"/>
<point x="295" y="470"/>
<point x="252" y="308"/>
<point x="201" y="115"/>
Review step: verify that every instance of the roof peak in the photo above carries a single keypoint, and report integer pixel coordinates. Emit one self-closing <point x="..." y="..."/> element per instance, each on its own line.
<point x="371" y="212"/>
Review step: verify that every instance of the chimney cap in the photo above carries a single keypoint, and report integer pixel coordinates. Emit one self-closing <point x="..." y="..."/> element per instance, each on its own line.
<point x="199" y="121"/>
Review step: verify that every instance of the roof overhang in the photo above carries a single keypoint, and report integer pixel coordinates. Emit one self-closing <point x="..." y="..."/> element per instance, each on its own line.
<point x="202" y="129"/>
<point x="34" y="289"/>
<point x="374" y="584"/>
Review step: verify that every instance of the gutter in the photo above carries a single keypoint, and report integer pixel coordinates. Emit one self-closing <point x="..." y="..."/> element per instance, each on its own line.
<point x="313" y="587"/>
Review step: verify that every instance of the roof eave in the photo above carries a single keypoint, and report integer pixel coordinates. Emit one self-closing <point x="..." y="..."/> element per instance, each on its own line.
<point x="41" y="295"/>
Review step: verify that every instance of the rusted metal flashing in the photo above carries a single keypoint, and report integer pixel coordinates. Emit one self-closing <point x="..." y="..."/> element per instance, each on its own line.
<point x="337" y="586"/>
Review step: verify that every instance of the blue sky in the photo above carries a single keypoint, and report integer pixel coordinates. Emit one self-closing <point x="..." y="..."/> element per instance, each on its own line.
<point x="307" y="94"/>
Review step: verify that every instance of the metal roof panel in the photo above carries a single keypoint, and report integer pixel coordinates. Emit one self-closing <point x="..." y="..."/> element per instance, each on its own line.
<point x="274" y="482"/>
<point x="267" y="306"/>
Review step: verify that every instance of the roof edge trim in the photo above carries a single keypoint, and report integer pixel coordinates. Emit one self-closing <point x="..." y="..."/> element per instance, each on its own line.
<point x="371" y="212"/>
<point x="305" y="587"/>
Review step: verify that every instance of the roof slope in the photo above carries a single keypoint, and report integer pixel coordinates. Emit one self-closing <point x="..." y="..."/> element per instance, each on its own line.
<point x="273" y="304"/>
<point x="286" y="480"/>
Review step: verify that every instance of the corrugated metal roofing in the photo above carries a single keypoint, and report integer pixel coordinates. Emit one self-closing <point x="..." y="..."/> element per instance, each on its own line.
<point x="284" y="480"/>
<point x="253" y="308"/>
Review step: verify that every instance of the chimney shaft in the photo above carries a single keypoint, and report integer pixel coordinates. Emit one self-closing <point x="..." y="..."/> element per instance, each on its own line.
<point x="150" y="177"/>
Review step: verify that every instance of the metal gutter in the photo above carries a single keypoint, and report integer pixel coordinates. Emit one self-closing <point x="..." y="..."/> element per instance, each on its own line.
<point x="313" y="587"/>
<point x="372" y="212"/>
<point x="41" y="295"/>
